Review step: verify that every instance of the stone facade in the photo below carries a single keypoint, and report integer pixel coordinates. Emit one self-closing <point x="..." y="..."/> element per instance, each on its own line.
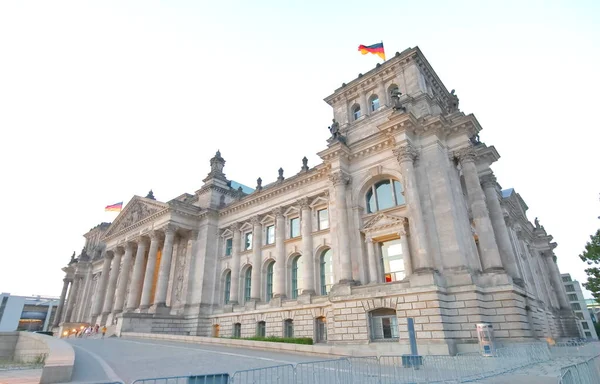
<point x="403" y="218"/>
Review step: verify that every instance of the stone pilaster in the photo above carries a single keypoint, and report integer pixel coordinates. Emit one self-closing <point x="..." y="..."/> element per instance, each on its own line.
<point x="372" y="258"/>
<point x="234" y="291"/>
<point x="133" y="300"/>
<point x="340" y="180"/>
<point x="112" y="281"/>
<point x="61" y="303"/>
<point x="162" y="285"/>
<point x="308" y="287"/>
<point x="422" y="261"/>
<point x="491" y="190"/>
<point x="490" y="255"/>
<point x="124" y="280"/>
<point x="256" y="285"/>
<point x="146" y="299"/>
<point x="279" y="272"/>
<point x="406" y="256"/>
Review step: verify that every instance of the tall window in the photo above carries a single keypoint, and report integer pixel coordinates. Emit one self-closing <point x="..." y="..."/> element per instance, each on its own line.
<point x="288" y="328"/>
<point x="326" y="271"/>
<point x="248" y="284"/>
<point x="374" y="102"/>
<point x="227" y="286"/>
<point x="384" y="325"/>
<point x="323" y="217"/>
<point x="270" y="234"/>
<point x="321" y="330"/>
<point x="248" y="241"/>
<point x="585" y="325"/>
<point x="261" y="329"/>
<point x="572" y="297"/>
<point x="237" y="330"/>
<point x="270" y="280"/>
<point x="297" y="269"/>
<point x="384" y="194"/>
<point x="228" y="246"/>
<point x="569" y="288"/>
<point x="356" y="111"/>
<point x="392" y="260"/>
<point x="576" y="307"/>
<point x="295" y="227"/>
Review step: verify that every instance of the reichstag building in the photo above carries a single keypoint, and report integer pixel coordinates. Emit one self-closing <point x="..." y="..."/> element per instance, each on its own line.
<point x="403" y="218"/>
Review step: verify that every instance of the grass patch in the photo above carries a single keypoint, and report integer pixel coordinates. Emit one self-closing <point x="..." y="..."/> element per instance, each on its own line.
<point x="275" y="339"/>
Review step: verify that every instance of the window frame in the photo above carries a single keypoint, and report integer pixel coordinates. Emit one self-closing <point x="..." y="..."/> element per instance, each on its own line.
<point x="296" y="289"/>
<point x="291" y="221"/>
<point x="261" y="328"/>
<point x="248" y="284"/>
<point x="321" y="329"/>
<point x="228" y="246"/>
<point x="378" y="316"/>
<point x="272" y="228"/>
<point x="323" y="286"/>
<point x="288" y="328"/>
<point x="356" y="112"/>
<point x="248" y="240"/>
<point x="269" y="281"/>
<point x="227" y="288"/>
<point x="373" y="191"/>
<point x="374" y="98"/>
<point x="393" y="274"/>
<point x="319" y="227"/>
<point x="236" y="332"/>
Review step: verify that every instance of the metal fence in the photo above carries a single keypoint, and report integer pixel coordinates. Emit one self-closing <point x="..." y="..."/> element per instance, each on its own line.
<point x="219" y="378"/>
<point x="586" y="372"/>
<point x="22" y="361"/>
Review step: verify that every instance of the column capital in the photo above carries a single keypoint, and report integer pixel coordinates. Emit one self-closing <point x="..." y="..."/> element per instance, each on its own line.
<point x="194" y="234"/>
<point x="368" y="239"/>
<point x="488" y="180"/>
<point x="304" y="203"/>
<point x="406" y="152"/>
<point x="154" y="235"/>
<point x="170" y="229"/>
<point x="277" y="212"/>
<point x="234" y="227"/>
<point x="119" y="250"/>
<point x="67" y="280"/>
<point x="255" y="220"/>
<point x="465" y="154"/>
<point x="339" y="178"/>
<point x="130" y="246"/>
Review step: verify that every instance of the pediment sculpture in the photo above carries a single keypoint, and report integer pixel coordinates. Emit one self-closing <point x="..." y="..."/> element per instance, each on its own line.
<point x="134" y="212"/>
<point x="382" y="221"/>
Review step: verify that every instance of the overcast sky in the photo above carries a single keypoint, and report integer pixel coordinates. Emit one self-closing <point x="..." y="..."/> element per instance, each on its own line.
<point x="103" y="100"/>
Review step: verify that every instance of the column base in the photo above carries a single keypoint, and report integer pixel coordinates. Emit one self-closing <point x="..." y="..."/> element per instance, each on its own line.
<point x="493" y="278"/>
<point x="276" y="301"/>
<point x="306" y="297"/>
<point x="426" y="276"/>
<point x="160" y="309"/>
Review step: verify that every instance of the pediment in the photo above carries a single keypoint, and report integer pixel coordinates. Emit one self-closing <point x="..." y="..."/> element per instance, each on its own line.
<point x="384" y="220"/>
<point x="135" y="211"/>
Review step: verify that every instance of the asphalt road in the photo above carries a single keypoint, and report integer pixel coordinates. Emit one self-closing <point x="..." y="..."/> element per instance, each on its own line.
<point x="113" y="359"/>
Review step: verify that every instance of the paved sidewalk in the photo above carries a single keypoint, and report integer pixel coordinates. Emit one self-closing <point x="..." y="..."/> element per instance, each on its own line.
<point x="25" y="376"/>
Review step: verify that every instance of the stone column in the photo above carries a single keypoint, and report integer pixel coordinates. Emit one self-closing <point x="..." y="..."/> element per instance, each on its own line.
<point x="372" y="256"/>
<point x="340" y="180"/>
<point x="406" y="253"/>
<point x="559" y="288"/>
<point x="101" y="291"/>
<point x="308" y="286"/>
<point x="256" y="285"/>
<point x="280" y="270"/>
<point x="422" y="261"/>
<point x="112" y="281"/>
<point x="381" y="93"/>
<point x="490" y="187"/>
<point x="133" y="301"/>
<point x="490" y="256"/>
<point x="162" y="285"/>
<point x="234" y="287"/>
<point x="61" y="303"/>
<point x="72" y="298"/>
<point x="146" y="300"/>
<point x="122" y="286"/>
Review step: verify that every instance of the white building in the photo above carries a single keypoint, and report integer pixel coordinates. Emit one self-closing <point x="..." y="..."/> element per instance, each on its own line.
<point x="579" y="306"/>
<point x="403" y="218"/>
<point x="26" y="313"/>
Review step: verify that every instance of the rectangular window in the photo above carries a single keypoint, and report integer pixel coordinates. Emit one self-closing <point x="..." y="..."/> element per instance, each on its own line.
<point x="294" y="227"/>
<point x="588" y="334"/>
<point x="271" y="234"/>
<point x="576" y="307"/>
<point x="228" y="246"/>
<point x="579" y="315"/>
<point x="569" y="288"/>
<point x="572" y="297"/>
<point x="566" y="279"/>
<point x="585" y="325"/>
<point x="323" y="216"/>
<point x="384" y="327"/>
<point x="392" y="260"/>
<point x="261" y="329"/>
<point x="248" y="241"/>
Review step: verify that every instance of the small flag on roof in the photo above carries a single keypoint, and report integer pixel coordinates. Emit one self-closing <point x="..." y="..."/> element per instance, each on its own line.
<point x="114" y="207"/>
<point x="376" y="49"/>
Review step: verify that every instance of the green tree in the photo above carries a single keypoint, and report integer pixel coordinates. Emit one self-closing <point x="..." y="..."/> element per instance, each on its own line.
<point x="591" y="255"/>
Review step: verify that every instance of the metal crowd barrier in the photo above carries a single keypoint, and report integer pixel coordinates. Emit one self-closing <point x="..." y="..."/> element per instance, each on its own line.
<point x="219" y="378"/>
<point x="586" y="372"/>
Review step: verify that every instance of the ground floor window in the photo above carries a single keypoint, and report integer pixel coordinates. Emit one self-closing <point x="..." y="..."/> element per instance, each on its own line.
<point x="237" y="330"/>
<point x="288" y="328"/>
<point x="261" y="329"/>
<point x="384" y="325"/>
<point x="321" y="327"/>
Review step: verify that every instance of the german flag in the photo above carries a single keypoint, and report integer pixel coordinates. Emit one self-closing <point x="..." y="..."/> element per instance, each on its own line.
<point x="114" y="207"/>
<point x="376" y="49"/>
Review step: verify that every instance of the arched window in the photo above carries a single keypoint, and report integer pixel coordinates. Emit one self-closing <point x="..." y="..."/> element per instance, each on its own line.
<point x="326" y="271"/>
<point x="384" y="194"/>
<point x="288" y="328"/>
<point x="248" y="284"/>
<point x="227" y="287"/>
<point x="374" y="103"/>
<point x="321" y="330"/>
<point x="391" y="90"/>
<point x="297" y="269"/>
<point x="392" y="260"/>
<point x="270" y="268"/>
<point x="261" y="329"/>
<point x="237" y="330"/>
<point x="356" y="111"/>
<point x="384" y="324"/>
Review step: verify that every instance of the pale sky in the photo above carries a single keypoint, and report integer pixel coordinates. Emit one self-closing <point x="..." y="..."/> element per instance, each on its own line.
<point x="103" y="100"/>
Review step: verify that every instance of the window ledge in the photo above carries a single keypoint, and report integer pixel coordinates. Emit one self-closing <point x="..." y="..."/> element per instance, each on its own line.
<point x="320" y="232"/>
<point x="268" y="246"/>
<point x="246" y="252"/>
<point x="293" y="239"/>
<point x="398" y="208"/>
